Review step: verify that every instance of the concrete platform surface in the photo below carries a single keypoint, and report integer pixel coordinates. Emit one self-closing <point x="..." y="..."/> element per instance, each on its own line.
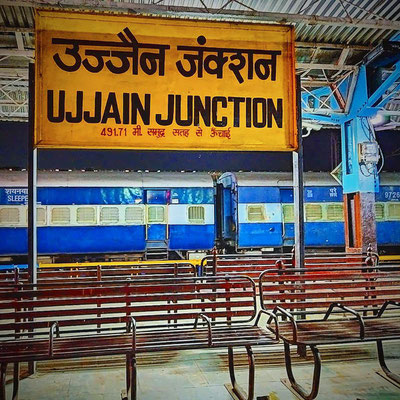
<point x="202" y="375"/>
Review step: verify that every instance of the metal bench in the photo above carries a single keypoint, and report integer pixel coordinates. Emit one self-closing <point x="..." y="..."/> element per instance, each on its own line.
<point x="46" y="322"/>
<point x="324" y="306"/>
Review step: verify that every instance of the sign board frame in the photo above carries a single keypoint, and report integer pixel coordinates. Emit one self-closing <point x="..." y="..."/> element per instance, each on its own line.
<point x="180" y="88"/>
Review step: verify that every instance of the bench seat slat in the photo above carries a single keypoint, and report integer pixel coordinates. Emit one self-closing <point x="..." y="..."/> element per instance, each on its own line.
<point x="340" y="331"/>
<point x="173" y="339"/>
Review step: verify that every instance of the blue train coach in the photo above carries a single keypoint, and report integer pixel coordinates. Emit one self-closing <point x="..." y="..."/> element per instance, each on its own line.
<point x="256" y="211"/>
<point x="109" y="212"/>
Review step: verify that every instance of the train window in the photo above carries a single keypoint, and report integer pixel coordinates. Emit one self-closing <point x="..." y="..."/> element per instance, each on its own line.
<point x="394" y="211"/>
<point x="196" y="214"/>
<point x="256" y="213"/>
<point x="379" y="211"/>
<point x="134" y="215"/>
<point x="155" y="214"/>
<point x="40" y="215"/>
<point x="9" y="216"/>
<point x="60" y="215"/>
<point x="288" y="213"/>
<point x="86" y="215"/>
<point x="335" y="212"/>
<point x="109" y="215"/>
<point x="313" y="212"/>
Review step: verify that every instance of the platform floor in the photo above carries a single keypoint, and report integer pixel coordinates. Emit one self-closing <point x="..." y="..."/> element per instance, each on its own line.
<point x="193" y="375"/>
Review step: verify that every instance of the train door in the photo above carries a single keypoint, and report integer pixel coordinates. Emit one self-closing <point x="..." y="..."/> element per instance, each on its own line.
<point x="287" y="216"/>
<point x="157" y="218"/>
<point x="226" y="229"/>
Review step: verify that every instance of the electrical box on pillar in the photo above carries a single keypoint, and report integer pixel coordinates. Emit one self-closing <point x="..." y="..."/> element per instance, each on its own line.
<point x="368" y="153"/>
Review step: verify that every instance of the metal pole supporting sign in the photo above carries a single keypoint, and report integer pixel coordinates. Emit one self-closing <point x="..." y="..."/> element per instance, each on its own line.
<point x="32" y="191"/>
<point x="32" y="182"/>
<point x="298" y="185"/>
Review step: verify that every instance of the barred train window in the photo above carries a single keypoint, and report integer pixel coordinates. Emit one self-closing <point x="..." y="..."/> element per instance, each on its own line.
<point x="379" y="211"/>
<point x="134" y="215"/>
<point x="155" y="214"/>
<point x="60" y="215"/>
<point x="256" y="213"/>
<point x="9" y="215"/>
<point x="288" y="213"/>
<point x="109" y="215"/>
<point x="335" y="212"/>
<point x="313" y="212"/>
<point x="394" y="211"/>
<point x="40" y="215"/>
<point x="196" y="214"/>
<point x="86" y="215"/>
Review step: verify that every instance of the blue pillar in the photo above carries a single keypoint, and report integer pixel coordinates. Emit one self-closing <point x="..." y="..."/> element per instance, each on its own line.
<point x="364" y="93"/>
<point x="360" y="176"/>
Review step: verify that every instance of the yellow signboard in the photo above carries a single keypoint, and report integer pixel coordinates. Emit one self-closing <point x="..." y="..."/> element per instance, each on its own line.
<point x="118" y="81"/>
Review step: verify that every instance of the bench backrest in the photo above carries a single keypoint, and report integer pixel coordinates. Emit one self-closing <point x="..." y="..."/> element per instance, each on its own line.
<point x="96" y="273"/>
<point x="253" y="266"/>
<point x="305" y="291"/>
<point x="108" y="305"/>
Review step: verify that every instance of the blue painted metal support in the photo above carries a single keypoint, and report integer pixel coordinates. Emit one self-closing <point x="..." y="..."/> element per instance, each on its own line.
<point x="365" y="92"/>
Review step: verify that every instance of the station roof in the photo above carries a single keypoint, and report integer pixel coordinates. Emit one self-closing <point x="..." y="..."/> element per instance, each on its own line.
<point x="332" y="36"/>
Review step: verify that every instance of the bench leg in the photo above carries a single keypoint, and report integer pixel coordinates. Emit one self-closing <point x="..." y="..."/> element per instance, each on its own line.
<point x="128" y="373"/>
<point x="316" y="376"/>
<point x="131" y="377"/>
<point x="3" y="370"/>
<point x="381" y="356"/>
<point x="15" y="381"/>
<point x="235" y="390"/>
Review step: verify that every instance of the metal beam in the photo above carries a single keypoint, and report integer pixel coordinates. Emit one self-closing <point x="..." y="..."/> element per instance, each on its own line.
<point x="20" y="41"/>
<point x="210" y="13"/>
<point x="14" y="85"/>
<point x="390" y="113"/>
<point x="17" y="53"/>
<point x="12" y="29"/>
<point x="343" y="57"/>
<point x="305" y="45"/>
<point x="339" y="46"/>
<point x="332" y="67"/>
<point x="316" y="83"/>
<point x="14" y="72"/>
<point x="5" y="102"/>
<point x="385" y="85"/>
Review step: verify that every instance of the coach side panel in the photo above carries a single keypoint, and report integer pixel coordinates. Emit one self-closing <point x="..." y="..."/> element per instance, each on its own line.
<point x="74" y="220"/>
